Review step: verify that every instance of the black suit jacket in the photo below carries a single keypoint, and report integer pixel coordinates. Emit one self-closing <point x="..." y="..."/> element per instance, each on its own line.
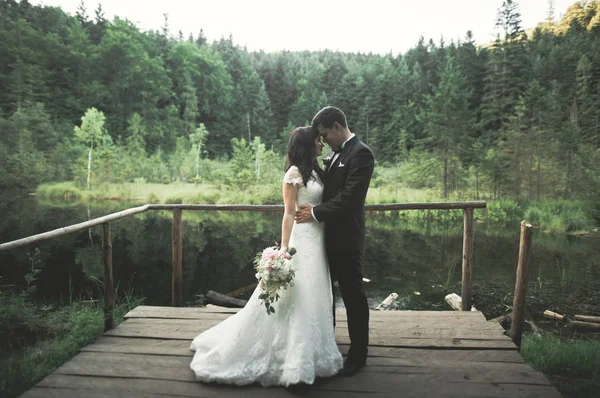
<point x="343" y="207"/>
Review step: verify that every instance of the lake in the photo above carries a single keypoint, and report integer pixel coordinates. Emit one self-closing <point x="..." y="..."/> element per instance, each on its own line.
<point x="417" y="256"/>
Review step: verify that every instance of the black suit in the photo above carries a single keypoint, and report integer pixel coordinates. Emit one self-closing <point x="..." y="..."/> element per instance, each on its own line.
<point x="343" y="211"/>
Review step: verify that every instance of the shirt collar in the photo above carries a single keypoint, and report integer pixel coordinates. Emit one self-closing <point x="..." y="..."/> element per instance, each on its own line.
<point x="349" y="138"/>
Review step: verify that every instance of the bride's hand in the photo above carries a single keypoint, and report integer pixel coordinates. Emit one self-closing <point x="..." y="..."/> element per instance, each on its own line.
<point x="283" y="250"/>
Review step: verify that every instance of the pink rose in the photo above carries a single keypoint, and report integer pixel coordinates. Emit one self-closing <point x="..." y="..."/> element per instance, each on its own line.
<point x="270" y="253"/>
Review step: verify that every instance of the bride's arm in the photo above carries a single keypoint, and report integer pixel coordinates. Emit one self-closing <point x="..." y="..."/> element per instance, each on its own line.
<point x="290" y="192"/>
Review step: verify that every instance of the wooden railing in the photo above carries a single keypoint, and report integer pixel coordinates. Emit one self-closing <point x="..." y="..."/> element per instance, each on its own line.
<point x="177" y="244"/>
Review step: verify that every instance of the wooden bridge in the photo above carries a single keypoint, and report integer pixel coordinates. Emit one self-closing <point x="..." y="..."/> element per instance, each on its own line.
<point x="411" y="354"/>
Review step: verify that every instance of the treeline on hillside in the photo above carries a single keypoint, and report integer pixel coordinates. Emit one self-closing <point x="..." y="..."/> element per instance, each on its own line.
<point x="517" y="118"/>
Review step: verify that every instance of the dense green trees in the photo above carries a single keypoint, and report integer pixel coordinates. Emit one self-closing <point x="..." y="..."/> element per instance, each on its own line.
<point x="518" y="117"/>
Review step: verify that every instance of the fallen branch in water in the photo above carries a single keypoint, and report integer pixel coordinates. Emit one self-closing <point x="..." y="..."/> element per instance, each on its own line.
<point x="501" y="319"/>
<point x="553" y="315"/>
<point x="387" y="303"/>
<point x="455" y="302"/>
<point x="585" y="326"/>
<point x="587" y="318"/>
<point x="506" y="319"/>
<point x="224" y="301"/>
<point x="582" y="322"/>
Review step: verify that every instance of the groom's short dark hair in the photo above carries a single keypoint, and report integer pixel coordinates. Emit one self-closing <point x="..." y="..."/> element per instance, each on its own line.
<point x="329" y="115"/>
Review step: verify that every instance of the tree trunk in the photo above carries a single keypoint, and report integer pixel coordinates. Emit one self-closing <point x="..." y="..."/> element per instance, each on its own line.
<point x="597" y="134"/>
<point x="539" y="176"/>
<point x="257" y="166"/>
<point x="248" y="123"/>
<point x="90" y="228"/>
<point x="568" y="179"/>
<point x="198" y="163"/>
<point x="90" y="165"/>
<point x="530" y="174"/>
<point x="495" y="188"/>
<point x="445" y="177"/>
<point x="517" y="186"/>
<point x="477" y="183"/>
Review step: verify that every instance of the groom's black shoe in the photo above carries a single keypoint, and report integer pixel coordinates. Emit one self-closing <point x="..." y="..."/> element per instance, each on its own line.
<point x="350" y="368"/>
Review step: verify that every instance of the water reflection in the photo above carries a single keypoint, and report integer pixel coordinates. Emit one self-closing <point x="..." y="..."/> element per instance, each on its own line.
<point x="417" y="257"/>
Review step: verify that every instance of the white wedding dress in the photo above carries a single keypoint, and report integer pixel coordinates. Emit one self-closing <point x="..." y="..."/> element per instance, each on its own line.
<point x="296" y="343"/>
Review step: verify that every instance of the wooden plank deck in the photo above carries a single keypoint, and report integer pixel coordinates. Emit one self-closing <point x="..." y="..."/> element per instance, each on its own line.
<point x="411" y="354"/>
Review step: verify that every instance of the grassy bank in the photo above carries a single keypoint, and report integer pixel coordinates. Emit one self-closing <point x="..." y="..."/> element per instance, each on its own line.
<point x="162" y="193"/>
<point x="573" y="366"/>
<point x="552" y="216"/>
<point x="37" y="339"/>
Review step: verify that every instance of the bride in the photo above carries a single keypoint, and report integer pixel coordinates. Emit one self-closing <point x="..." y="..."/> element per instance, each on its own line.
<point x="295" y="344"/>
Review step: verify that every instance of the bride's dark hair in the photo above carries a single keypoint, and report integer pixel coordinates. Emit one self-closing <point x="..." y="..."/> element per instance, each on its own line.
<point x="302" y="152"/>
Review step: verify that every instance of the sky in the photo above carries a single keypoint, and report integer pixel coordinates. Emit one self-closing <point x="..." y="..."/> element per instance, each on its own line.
<point x="377" y="26"/>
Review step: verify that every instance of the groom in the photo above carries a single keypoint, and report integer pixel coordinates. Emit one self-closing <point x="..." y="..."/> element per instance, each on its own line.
<point x="346" y="178"/>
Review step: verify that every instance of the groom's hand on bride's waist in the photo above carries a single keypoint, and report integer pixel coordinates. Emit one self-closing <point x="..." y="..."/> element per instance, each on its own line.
<point x="303" y="214"/>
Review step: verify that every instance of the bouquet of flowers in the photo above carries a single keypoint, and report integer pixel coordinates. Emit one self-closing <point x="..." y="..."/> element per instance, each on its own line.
<point x="274" y="272"/>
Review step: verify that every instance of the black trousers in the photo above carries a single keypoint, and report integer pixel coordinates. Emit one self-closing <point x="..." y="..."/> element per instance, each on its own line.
<point x="346" y="268"/>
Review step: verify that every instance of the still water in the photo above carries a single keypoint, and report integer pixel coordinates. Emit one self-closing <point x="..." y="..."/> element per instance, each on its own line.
<point x="418" y="258"/>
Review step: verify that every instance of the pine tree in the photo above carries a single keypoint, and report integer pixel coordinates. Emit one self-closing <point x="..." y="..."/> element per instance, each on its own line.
<point x="586" y="104"/>
<point x="507" y="71"/>
<point x="98" y="28"/>
<point x="261" y="119"/>
<point x="201" y="39"/>
<point x="81" y="14"/>
<point x="135" y="147"/>
<point x="447" y="117"/>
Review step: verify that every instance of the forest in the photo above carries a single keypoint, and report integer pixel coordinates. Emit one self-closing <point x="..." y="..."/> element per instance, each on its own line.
<point x="96" y="101"/>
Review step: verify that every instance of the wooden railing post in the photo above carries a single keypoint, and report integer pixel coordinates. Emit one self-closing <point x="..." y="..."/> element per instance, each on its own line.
<point x="516" y="328"/>
<point x="177" y="282"/>
<point x="467" y="260"/>
<point x="109" y="298"/>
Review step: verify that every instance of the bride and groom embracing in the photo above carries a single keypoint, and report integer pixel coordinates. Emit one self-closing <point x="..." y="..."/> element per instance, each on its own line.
<point x="324" y="220"/>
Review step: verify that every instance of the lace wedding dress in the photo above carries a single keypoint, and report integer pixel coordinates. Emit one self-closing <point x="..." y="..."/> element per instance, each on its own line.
<point x="296" y="343"/>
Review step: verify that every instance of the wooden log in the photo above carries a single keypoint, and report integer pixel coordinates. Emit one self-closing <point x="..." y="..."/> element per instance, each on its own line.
<point x="516" y="327"/>
<point x="553" y="315"/>
<point x="455" y="302"/>
<point x="387" y="303"/>
<point x="585" y="326"/>
<point x="587" y="318"/>
<point x="224" y="301"/>
<point x="177" y="275"/>
<point x="109" y="298"/>
<point x="506" y="320"/>
<point x="71" y="228"/>
<point x="534" y="327"/>
<point x="501" y="319"/>
<point x="477" y="204"/>
<point x="467" y="261"/>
